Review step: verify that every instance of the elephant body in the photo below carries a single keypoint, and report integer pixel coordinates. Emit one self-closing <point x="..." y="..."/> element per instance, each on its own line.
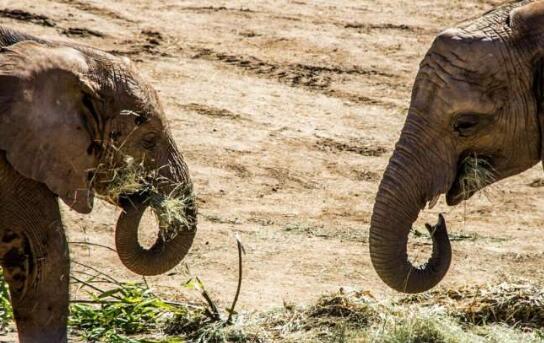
<point x="73" y="120"/>
<point x="475" y="117"/>
<point x="34" y="256"/>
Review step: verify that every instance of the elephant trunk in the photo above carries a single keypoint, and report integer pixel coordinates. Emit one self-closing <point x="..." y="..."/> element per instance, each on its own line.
<point x="410" y="180"/>
<point x="177" y="222"/>
<point x="167" y="251"/>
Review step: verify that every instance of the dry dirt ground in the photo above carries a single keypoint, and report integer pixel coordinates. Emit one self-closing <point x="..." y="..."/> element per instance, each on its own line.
<point x="287" y="113"/>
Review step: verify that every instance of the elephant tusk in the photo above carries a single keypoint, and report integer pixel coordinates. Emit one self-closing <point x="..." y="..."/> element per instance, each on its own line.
<point x="433" y="201"/>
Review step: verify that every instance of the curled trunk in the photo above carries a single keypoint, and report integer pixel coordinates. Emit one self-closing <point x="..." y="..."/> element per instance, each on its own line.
<point x="408" y="183"/>
<point x="166" y="252"/>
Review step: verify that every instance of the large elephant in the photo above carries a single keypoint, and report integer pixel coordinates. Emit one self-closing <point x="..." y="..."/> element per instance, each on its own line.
<point x="75" y="121"/>
<point x="476" y="117"/>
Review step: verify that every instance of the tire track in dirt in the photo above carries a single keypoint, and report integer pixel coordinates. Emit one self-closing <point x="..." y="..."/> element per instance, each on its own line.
<point x="241" y="11"/>
<point x="211" y="111"/>
<point x="327" y="232"/>
<point x="81" y="32"/>
<point x="352" y="173"/>
<point x="361" y="148"/>
<point x="43" y="20"/>
<point x="96" y="10"/>
<point x="366" y="175"/>
<point x="147" y="42"/>
<point x="360" y="27"/>
<point x="24" y="16"/>
<point x="366" y="27"/>
<point x="313" y="77"/>
<point x="288" y="178"/>
<point x="293" y="75"/>
<point x="216" y="9"/>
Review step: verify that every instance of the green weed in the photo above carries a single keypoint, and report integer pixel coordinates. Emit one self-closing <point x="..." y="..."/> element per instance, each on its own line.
<point x="6" y="312"/>
<point x="126" y="310"/>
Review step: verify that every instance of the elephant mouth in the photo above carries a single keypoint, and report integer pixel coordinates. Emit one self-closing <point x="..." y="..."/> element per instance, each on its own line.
<point x="474" y="172"/>
<point x="127" y="199"/>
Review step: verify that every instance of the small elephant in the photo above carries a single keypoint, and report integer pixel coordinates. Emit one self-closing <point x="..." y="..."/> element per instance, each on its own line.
<point x="75" y="122"/>
<point x="476" y="116"/>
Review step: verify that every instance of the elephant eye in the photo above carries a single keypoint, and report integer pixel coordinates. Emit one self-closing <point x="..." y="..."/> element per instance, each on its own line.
<point x="468" y="124"/>
<point x="141" y="119"/>
<point x="149" y="141"/>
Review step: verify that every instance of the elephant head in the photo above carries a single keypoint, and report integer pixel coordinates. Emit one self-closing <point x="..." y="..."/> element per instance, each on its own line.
<point x="82" y="122"/>
<point x="475" y="117"/>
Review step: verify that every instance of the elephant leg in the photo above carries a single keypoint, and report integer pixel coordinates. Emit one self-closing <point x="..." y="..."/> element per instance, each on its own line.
<point x="34" y="257"/>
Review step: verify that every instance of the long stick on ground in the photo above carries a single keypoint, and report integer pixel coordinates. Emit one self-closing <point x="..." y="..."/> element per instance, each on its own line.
<point x="241" y="251"/>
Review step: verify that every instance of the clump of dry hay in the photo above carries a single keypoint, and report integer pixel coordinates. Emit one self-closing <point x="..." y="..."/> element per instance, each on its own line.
<point x="518" y="305"/>
<point x="438" y="317"/>
<point x="328" y="318"/>
<point x="171" y="212"/>
<point x="131" y="177"/>
<point x="493" y="312"/>
<point x="127" y="179"/>
<point x="418" y="325"/>
<point x="356" y="308"/>
<point x="476" y="173"/>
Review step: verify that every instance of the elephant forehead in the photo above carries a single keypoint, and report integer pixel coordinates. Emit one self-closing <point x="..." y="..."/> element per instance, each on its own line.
<point x="455" y="95"/>
<point x="461" y="82"/>
<point x="468" y="55"/>
<point x="460" y="40"/>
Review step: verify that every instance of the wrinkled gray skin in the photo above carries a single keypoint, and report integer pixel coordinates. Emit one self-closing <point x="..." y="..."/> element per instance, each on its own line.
<point x="69" y="116"/>
<point x="479" y="91"/>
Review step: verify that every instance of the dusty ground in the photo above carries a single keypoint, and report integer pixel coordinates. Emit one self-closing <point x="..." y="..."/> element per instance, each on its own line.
<point x="287" y="112"/>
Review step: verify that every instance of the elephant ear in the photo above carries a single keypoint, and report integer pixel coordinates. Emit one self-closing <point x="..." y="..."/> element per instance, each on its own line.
<point x="48" y="120"/>
<point x="527" y="25"/>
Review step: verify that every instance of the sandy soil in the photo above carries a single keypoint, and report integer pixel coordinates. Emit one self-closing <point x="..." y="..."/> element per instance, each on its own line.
<point x="287" y="112"/>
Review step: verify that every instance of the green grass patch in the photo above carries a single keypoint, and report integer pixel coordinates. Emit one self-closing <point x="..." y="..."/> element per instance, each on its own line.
<point x="6" y="312"/>
<point x="129" y="309"/>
